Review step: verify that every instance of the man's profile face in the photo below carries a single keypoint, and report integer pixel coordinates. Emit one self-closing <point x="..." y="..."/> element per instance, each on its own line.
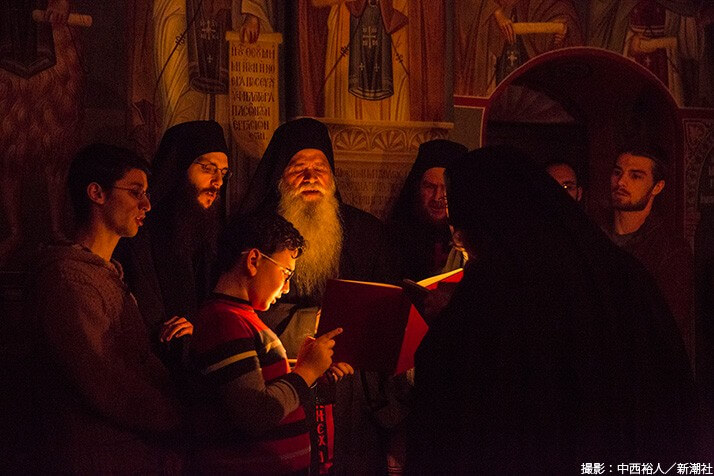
<point x="126" y="204"/>
<point x="205" y="174"/>
<point x="271" y="280"/>
<point x="432" y="196"/>
<point x="308" y="175"/>
<point x="632" y="185"/>
<point x="565" y="176"/>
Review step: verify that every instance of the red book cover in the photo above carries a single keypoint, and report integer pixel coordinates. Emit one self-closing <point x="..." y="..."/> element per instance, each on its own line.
<point x="382" y="329"/>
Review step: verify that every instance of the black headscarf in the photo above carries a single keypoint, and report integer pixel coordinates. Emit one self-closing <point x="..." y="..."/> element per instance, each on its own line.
<point x="288" y="139"/>
<point x="556" y="348"/>
<point x="434" y="153"/>
<point x="179" y="147"/>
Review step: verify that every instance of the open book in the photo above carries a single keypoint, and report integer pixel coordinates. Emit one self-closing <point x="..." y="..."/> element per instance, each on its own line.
<point x="382" y="327"/>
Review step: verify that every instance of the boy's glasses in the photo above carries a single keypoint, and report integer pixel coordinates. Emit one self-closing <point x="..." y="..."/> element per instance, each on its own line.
<point x="287" y="272"/>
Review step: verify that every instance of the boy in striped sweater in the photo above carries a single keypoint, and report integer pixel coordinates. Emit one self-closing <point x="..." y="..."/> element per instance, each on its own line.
<point x="250" y="417"/>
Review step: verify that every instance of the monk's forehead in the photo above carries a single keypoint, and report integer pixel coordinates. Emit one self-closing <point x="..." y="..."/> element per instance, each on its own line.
<point x="434" y="175"/>
<point x="308" y="158"/>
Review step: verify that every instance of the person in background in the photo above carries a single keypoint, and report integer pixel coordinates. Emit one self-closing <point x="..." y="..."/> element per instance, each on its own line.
<point x="418" y="224"/>
<point x="638" y="177"/>
<point x="565" y="175"/>
<point x="105" y="402"/>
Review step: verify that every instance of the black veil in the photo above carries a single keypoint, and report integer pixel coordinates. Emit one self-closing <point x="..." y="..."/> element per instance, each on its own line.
<point x="556" y="349"/>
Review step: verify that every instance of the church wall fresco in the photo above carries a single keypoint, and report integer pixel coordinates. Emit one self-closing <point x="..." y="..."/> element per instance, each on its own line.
<point x="383" y="75"/>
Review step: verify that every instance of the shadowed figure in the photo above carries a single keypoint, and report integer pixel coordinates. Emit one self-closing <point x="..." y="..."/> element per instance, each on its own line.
<point x="556" y="348"/>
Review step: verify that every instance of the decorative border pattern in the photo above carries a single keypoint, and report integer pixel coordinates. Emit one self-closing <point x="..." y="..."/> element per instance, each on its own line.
<point x="698" y="151"/>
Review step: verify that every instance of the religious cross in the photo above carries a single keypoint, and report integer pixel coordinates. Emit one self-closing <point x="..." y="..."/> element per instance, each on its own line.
<point x="369" y="36"/>
<point x="209" y="58"/>
<point x="648" y="61"/>
<point x="208" y="32"/>
<point x="512" y="57"/>
<point x="361" y="66"/>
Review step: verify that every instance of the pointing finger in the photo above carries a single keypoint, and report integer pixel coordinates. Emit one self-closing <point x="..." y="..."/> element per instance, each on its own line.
<point x="331" y="334"/>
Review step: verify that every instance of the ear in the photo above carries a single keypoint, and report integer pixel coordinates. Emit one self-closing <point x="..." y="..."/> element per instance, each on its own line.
<point x="251" y="262"/>
<point x="658" y="187"/>
<point x="96" y="193"/>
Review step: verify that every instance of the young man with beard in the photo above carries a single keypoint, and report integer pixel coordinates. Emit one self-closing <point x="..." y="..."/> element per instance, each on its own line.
<point x="104" y="401"/>
<point x="418" y="226"/>
<point x="637" y="178"/>
<point x="170" y="265"/>
<point x="296" y="179"/>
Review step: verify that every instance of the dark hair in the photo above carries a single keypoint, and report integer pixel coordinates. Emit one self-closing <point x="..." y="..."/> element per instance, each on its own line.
<point x="655" y="154"/>
<point x="268" y="232"/>
<point x="103" y="164"/>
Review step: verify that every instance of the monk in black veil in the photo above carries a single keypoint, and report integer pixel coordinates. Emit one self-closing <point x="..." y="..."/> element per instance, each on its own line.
<point x="342" y="242"/>
<point x="419" y="232"/>
<point x="555" y="350"/>
<point x="170" y="265"/>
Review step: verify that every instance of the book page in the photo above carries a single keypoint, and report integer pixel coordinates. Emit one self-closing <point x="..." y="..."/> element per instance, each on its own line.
<point x="439" y="277"/>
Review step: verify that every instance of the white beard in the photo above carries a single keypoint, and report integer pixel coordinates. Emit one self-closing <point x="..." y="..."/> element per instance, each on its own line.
<point x="319" y="223"/>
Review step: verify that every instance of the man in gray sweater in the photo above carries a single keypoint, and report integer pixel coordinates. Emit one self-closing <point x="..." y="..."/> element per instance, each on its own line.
<point x="106" y="404"/>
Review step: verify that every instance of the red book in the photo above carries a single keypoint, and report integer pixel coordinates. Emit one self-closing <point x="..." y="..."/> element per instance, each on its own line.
<point x="382" y="328"/>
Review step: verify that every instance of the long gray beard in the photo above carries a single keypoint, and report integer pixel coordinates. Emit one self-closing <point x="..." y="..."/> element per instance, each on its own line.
<point x="319" y="223"/>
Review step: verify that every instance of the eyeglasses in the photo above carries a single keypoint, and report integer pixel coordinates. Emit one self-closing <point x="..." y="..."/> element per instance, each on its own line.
<point x="137" y="193"/>
<point x="287" y="272"/>
<point x="213" y="169"/>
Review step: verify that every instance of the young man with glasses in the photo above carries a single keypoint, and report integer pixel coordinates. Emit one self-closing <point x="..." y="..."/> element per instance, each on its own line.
<point x="565" y="175"/>
<point x="250" y="416"/>
<point x="170" y="265"/>
<point x="104" y="400"/>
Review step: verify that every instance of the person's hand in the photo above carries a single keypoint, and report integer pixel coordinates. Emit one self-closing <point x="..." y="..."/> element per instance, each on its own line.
<point x="640" y="44"/>
<point x="57" y="12"/>
<point x="505" y="25"/>
<point x="338" y="371"/>
<point x="250" y="30"/>
<point x="436" y="301"/>
<point x="175" y="327"/>
<point x="315" y="356"/>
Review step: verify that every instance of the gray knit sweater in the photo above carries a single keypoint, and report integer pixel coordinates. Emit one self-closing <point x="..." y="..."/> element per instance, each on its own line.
<point x="109" y="404"/>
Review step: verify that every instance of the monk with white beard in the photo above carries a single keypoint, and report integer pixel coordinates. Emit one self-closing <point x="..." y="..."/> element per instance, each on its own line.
<point x="308" y="201"/>
<point x="296" y="178"/>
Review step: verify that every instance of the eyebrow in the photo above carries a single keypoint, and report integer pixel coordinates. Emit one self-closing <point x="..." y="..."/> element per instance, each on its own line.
<point x="304" y="163"/>
<point x="137" y="184"/>
<point x="206" y="161"/>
